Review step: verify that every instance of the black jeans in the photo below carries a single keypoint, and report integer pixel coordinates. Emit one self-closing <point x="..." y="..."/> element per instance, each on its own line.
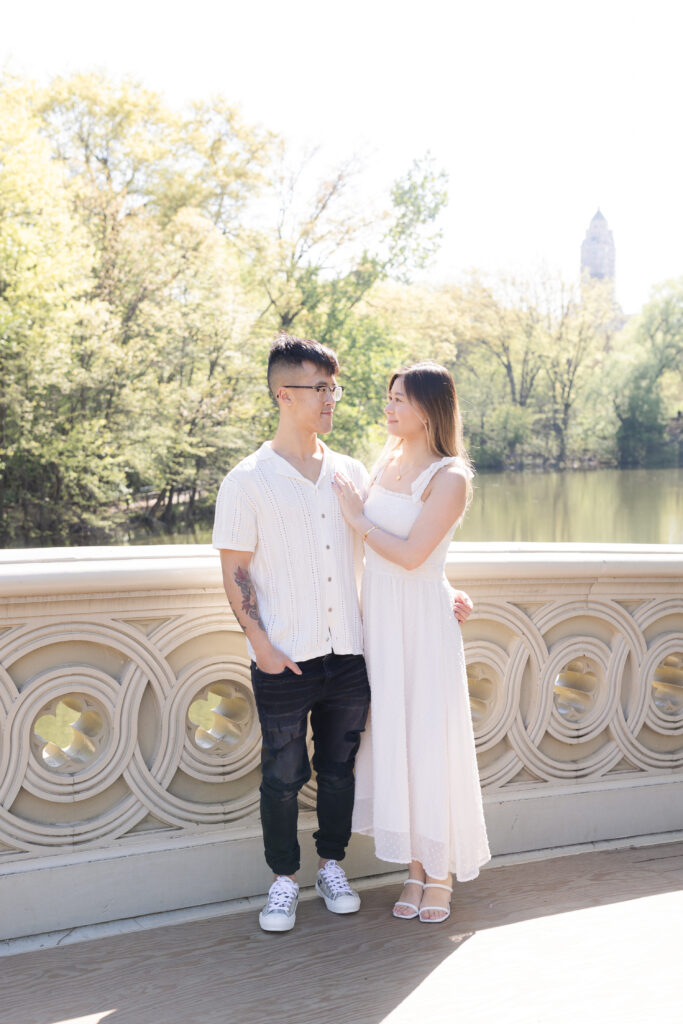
<point x="336" y="692"/>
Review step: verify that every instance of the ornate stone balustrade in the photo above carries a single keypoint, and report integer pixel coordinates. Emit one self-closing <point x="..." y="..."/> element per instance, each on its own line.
<point x="129" y="744"/>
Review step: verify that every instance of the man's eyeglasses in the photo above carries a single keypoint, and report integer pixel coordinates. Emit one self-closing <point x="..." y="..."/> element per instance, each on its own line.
<point x="323" y="390"/>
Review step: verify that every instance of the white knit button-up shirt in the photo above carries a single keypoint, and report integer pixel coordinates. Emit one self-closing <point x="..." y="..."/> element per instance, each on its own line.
<point x="306" y="561"/>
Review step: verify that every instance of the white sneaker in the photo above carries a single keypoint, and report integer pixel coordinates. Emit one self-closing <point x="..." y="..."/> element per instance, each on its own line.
<point x="334" y="888"/>
<point x="279" y="913"/>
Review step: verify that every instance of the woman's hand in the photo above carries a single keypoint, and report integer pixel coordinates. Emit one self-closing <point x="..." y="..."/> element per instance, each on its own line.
<point x="350" y="500"/>
<point x="462" y="605"/>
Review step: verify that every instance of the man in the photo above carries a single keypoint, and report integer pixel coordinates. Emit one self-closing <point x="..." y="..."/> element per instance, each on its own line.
<point x="290" y="569"/>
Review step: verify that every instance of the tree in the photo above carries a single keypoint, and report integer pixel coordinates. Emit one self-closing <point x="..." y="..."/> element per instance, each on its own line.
<point x="125" y="149"/>
<point x="579" y="329"/>
<point x="44" y="270"/>
<point x="497" y="359"/>
<point x="499" y="322"/>
<point x="653" y="371"/>
<point x="322" y="264"/>
<point x="325" y="255"/>
<point x="126" y="325"/>
<point x="640" y="434"/>
<point x="660" y="328"/>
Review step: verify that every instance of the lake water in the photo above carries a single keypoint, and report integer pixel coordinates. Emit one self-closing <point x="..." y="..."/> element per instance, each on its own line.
<point x="628" y="506"/>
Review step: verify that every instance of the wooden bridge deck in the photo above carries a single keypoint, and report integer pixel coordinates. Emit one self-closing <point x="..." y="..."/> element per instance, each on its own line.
<point x="592" y="937"/>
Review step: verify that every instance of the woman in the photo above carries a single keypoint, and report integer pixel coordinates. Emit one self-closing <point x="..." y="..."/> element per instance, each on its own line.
<point x="417" y="784"/>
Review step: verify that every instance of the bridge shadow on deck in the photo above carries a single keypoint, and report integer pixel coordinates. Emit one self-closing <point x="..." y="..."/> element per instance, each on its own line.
<point x="365" y="968"/>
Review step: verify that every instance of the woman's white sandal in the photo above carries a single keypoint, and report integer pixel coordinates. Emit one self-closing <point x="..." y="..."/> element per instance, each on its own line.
<point x="411" y="906"/>
<point x="446" y="911"/>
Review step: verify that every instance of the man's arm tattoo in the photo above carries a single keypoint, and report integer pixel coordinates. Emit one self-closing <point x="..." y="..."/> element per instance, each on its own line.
<point x="249" y="603"/>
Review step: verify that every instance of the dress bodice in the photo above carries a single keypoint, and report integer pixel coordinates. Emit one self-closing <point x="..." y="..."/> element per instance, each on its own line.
<point x="396" y="512"/>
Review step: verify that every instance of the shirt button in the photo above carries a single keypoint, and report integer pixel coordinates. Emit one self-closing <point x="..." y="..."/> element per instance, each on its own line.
<point x="323" y="515"/>
<point x="329" y="579"/>
<point x="329" y="609"/>
<point x="327" y="546"/>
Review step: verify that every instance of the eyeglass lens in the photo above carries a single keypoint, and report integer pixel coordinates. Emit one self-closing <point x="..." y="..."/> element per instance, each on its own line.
<point x="336" y="392"/>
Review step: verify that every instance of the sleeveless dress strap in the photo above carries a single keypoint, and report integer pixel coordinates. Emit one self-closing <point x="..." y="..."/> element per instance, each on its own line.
<point x="418" y="486"/>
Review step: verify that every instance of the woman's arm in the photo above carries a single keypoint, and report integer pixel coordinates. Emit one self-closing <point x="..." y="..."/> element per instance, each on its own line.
<point x="440" y="511"/>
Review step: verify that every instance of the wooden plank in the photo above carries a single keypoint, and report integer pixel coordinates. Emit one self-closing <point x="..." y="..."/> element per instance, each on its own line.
<point x="356" y="969"/>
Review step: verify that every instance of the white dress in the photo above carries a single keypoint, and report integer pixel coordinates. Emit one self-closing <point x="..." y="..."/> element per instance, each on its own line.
<point x="417" y="782"/>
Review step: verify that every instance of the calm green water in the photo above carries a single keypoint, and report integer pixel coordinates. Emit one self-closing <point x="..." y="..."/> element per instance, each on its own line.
<point x="628" y="506"/>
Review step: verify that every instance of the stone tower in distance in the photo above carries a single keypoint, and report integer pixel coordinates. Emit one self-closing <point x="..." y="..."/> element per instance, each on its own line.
<point x="597" y="250"/>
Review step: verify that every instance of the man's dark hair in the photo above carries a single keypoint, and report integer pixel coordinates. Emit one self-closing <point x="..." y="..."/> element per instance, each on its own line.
<point x="288" y="351"/>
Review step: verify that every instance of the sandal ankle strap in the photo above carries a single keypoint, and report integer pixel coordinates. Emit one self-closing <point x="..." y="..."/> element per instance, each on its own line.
<point x="438" y="885"/>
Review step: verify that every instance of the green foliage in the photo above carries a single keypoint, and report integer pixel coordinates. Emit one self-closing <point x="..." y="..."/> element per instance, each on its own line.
<point x="660" y="328"/>
<point x="137" y="300"/>
<point x="368" y="355"/>
<point x="640" y="434"/>
<point x="125" y="322"/>
<point x="651" y="391"/>
<point x="418" y="198"/>
<point x="528" y="358"/>
<point x="147" y="258"/>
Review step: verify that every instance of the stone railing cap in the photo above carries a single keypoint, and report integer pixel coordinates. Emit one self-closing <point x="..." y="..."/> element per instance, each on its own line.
<point x="185" y="567"/>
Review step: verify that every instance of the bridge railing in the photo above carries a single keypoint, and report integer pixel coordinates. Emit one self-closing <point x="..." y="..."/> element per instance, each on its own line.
<point x="129" y="741"/>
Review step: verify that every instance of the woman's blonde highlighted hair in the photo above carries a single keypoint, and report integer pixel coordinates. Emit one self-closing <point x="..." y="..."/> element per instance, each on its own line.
<point x="431" y="389"/>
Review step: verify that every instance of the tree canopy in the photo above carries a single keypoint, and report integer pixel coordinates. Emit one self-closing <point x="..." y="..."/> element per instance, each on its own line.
<point x="147" y="258"/>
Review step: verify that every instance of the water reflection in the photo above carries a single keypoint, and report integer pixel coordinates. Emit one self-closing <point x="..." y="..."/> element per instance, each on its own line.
<point x="628" y="506"/>
<point x="612" y="506"/>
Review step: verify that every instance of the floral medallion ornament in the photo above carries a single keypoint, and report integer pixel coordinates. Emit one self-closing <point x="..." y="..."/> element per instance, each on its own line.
<point x="575" y="689"/>
<point x="667" y="686"/>
<point x="220" y="717"/>
<point x="69" y="733"/>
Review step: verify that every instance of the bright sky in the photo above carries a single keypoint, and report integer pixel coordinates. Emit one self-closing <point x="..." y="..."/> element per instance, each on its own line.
<point x="540" y="110"/>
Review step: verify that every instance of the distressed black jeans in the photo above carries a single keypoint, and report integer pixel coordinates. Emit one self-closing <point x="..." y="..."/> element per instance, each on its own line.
<point x="334" y="690"/>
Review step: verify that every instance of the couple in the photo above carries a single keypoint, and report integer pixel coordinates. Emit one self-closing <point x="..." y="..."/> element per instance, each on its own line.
<point x="292" y="523"/>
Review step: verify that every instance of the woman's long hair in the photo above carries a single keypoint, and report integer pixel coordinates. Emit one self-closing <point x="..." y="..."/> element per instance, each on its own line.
<point x="431" y="389"/>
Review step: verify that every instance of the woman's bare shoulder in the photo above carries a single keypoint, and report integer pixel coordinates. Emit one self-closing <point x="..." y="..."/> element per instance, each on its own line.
<point x="449" y="482"/>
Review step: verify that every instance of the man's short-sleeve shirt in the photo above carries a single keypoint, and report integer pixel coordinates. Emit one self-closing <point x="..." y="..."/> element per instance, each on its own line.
<point x="306" y="560"/>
